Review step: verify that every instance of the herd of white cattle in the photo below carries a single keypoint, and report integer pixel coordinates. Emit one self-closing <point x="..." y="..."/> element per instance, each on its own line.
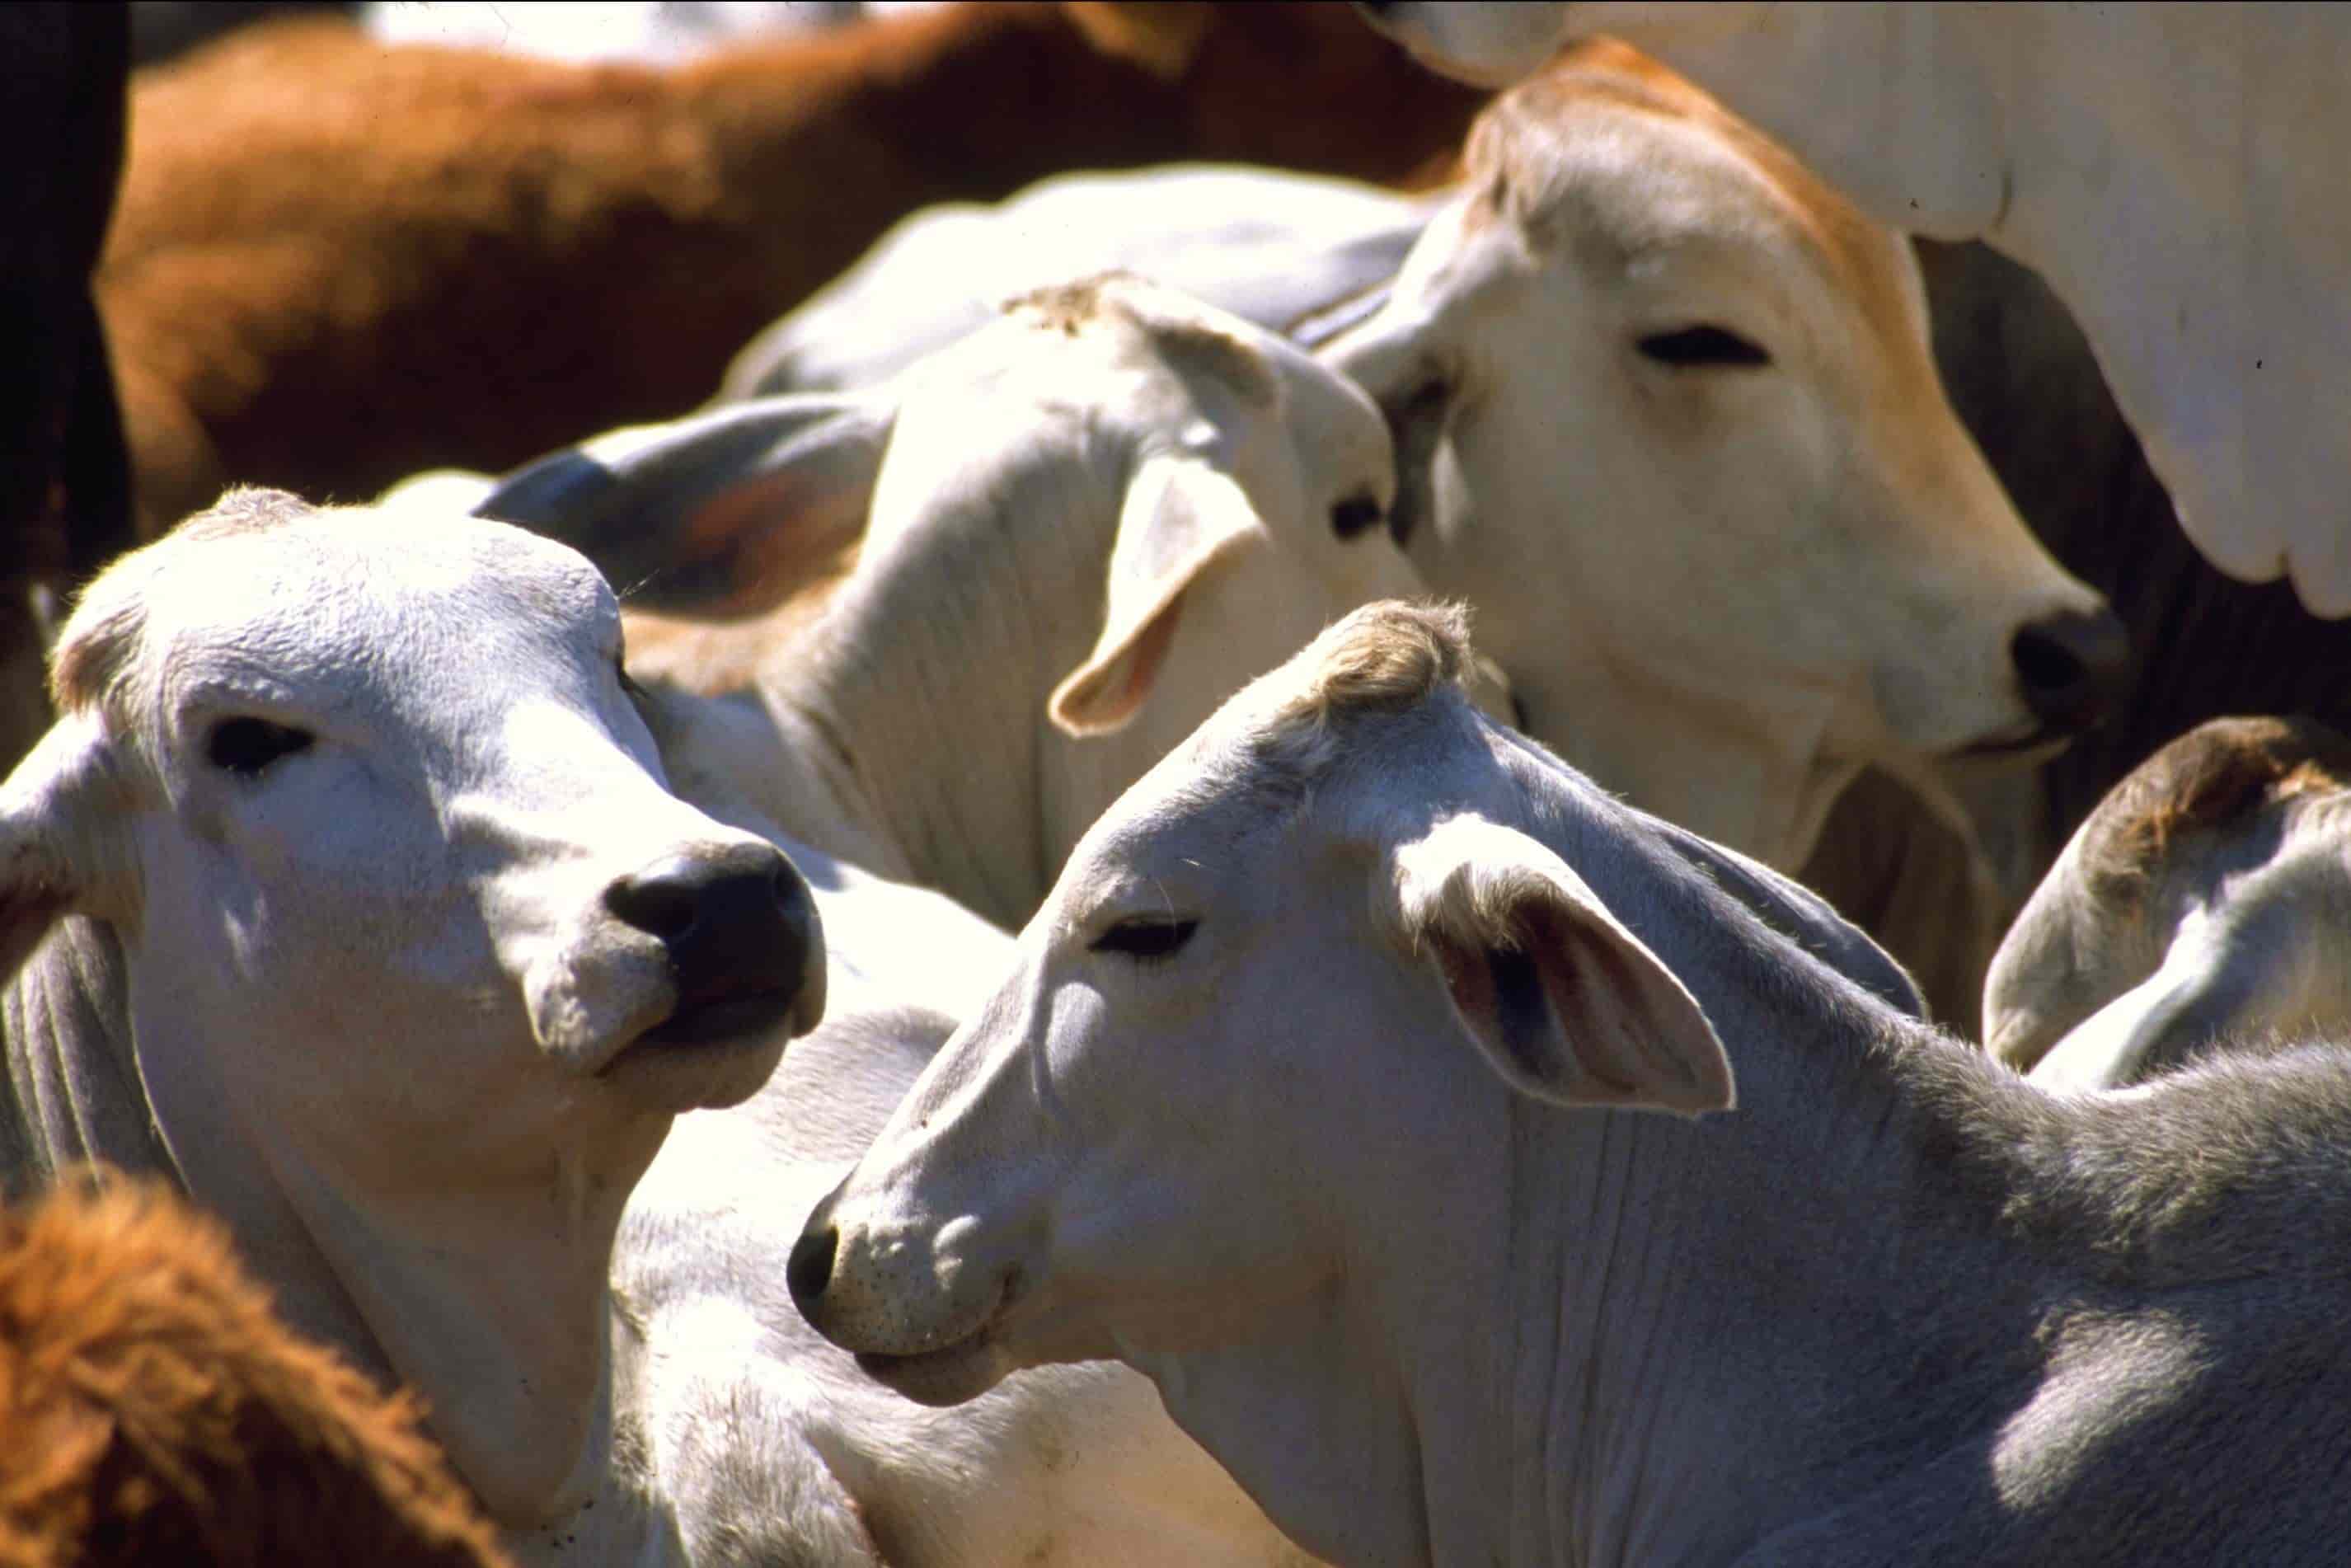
<point x="563" y="920"/>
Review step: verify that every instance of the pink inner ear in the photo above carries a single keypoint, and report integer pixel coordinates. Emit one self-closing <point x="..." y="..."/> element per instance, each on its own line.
<point x="1468" y="979"/>
<point x="1144" y="656"/>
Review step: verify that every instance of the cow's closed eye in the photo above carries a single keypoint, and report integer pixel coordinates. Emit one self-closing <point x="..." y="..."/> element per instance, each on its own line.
<point x="1693" y="348"/>
<point x="629" y="688"/>
<point x="245" y="746"/>
<point x="1354" y="516"/>
<point x="1145" y="939"/>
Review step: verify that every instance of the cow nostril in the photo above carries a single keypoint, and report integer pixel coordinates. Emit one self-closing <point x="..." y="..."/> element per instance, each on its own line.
<point x="731" y="924"/>
<point x="809" y="1269"/>
<point x="2073" y="666"/>
<point x="663" y="900"/>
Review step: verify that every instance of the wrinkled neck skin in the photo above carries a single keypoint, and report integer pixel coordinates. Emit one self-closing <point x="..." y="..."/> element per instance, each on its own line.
<point x="1598" y="1338"/>
<point x="1756" y="776"/>
<point x="927" y="680"/>
<point x="499" y="1325"/>
<point x="72" y="1093"/>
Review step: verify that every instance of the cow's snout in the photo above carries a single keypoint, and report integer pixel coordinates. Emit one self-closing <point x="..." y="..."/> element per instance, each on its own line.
<point x="2074" y="667"/>
<point x="740" y="933"/>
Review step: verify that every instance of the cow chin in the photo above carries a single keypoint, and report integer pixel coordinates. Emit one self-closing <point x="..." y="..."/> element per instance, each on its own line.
<point x="954" y="1375"/>
<point x="707" y="1076"/>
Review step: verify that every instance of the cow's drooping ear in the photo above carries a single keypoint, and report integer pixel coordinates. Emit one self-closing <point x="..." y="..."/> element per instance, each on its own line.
<point x="1181" y="515"/>
<point x="1393" y="362"/>
<point x="1567" y="1005"/>
<point x="721" y="515"/>
<point x="51" y="844"/>
<point x="2211" y="982"/>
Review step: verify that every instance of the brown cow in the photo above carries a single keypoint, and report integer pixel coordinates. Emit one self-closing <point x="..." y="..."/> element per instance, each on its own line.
<point x="337" y="262"/>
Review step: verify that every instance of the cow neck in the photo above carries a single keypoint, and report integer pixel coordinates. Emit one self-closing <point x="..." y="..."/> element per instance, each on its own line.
<point x="1727" y="1326"/>
<point x="490" y="1296"/>
<point x="497" y="1321"/>
<point x="1756" y="776"/>
<point x="72" y="1093"/>
<point x="930" y="675"/>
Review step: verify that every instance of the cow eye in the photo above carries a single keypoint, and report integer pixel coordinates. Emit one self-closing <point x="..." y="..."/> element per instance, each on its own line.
<point x="629" y="686"/>
<point x="1691" y="348"/>
<point x="246" y="745"/>
<point x="1146" y="938"/>
<point x="1355" y="514"/>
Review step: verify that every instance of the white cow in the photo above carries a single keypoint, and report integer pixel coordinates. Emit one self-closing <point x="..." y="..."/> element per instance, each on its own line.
<point x="1667" y="415"/>
<point x="1871" y="594"/>
<point x="355" y="904"/>
<point x="2168" y="169"/>
<point x="1323" y="1091"/>
<point x="1270" y="246"/>
<point x="2203" y="901"/>
<point x="364" y="911"/>
<point x="1081" y="528"/>
<point x="1089" y="523"/>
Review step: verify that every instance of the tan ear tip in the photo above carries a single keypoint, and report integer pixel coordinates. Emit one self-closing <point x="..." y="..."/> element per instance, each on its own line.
<point x="1079" y="706"/>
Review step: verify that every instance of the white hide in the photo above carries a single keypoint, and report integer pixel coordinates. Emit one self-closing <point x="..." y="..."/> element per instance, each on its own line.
<point x="326" y="850"/>
<point x="1082" y="527"/>
<point x="1667" y="415"/>
<point x="1268" y="244"/>
<point x="645" y="32"/>
<point x="1322" y="1091"/>
<point x="2169" y="170"/>
<point x="748" y="1439"/>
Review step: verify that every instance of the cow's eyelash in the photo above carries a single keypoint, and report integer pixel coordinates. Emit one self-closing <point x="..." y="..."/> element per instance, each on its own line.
<point x="1148" y="939"/>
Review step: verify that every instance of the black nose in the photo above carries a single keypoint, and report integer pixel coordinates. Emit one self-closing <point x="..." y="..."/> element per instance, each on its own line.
<point x="735" y="926"/>
<point x="810" y="1269"/>
<point x="2073" y="667"/>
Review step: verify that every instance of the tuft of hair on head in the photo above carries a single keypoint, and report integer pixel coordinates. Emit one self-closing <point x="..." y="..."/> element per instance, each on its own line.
<point x="1383" y="658"/>
<point x="2216" y="774"/>
<point x="157" y="1410"/>
<point x="101" y="639"/>
<point x="1178" y="327"/>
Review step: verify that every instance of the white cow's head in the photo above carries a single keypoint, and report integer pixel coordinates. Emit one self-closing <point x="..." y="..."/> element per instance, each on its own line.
<point x="412" y="939"/>
<point x="2204" y="900"/>
<point x="1665" y="413"/>
<point x="1319" y="931"/>
<point x="1099" y="516"/>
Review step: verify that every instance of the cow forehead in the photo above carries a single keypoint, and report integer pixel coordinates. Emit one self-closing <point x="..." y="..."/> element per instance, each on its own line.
<point x="1641" y="165"/>
<point x="328" y="605"/>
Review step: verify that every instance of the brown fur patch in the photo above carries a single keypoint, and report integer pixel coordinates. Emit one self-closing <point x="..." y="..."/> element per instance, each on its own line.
<point x="156" y="1411"/>
<point x="2213" y="776"/>
<point x="1161" y="35"/>
<point x="1383" y="658"/>
<point x="336" y="262"/>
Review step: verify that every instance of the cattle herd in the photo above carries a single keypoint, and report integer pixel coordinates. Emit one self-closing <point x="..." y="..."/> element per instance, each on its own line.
<point x="1560" y="862"/>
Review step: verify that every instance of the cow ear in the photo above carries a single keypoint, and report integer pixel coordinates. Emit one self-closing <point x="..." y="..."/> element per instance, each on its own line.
<point x="719" y="516"/>
<point x="1416" y="394"/>
<point x="51" y="812"/>
<point x="1568" y="1005"/>
<point x="2205" y="985"/>
<point x="1180" y="517"/>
